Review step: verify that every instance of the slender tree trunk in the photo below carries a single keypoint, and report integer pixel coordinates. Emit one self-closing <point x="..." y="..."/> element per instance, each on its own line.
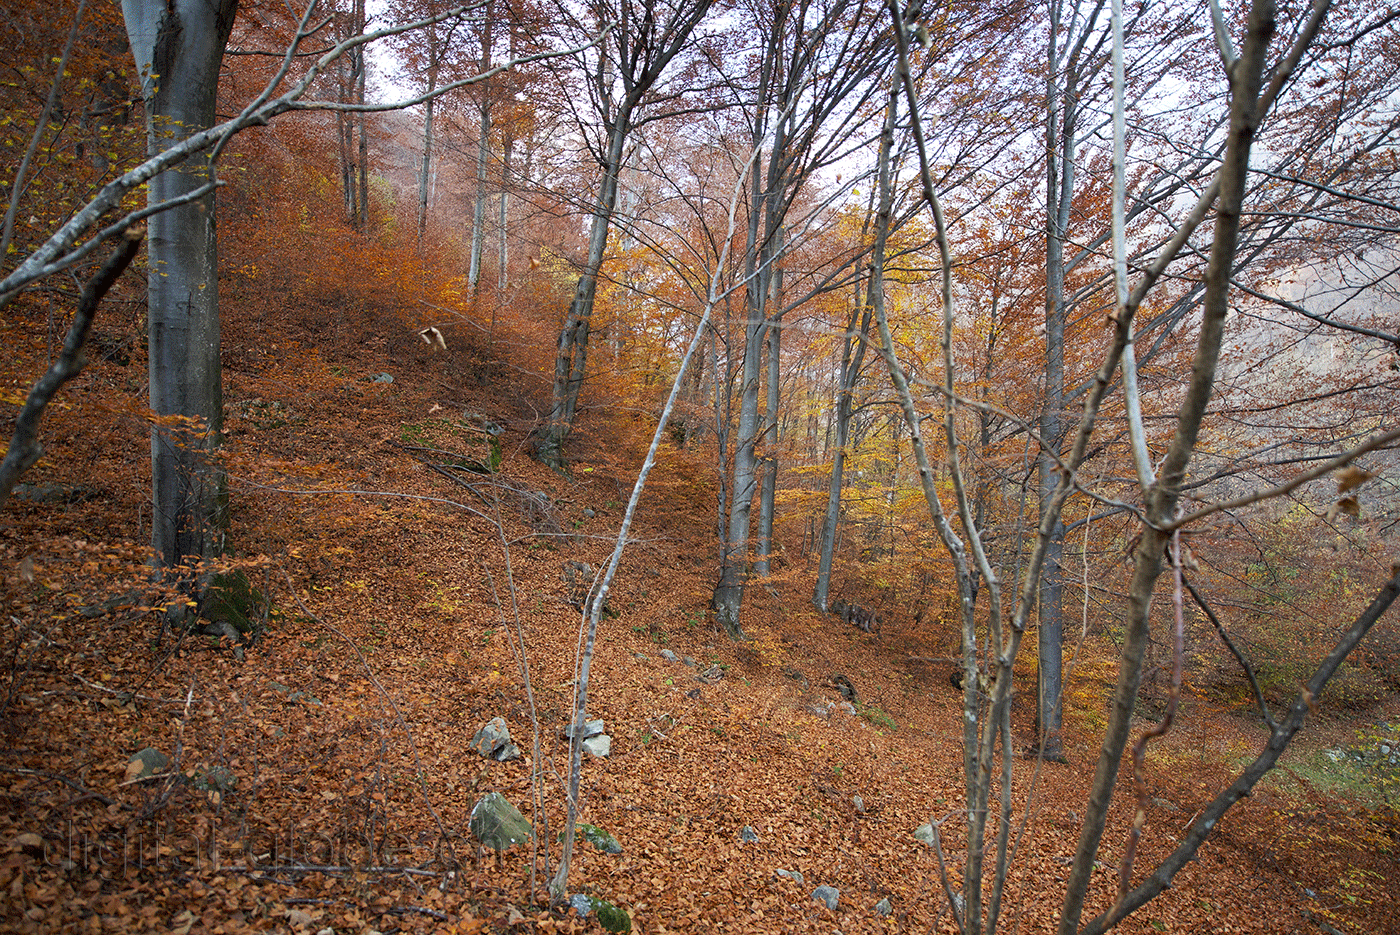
<point x="1059" y="150"/>
<point x="483" y="155"/>
<point x="424" y="173"/>
<point x="502" y="254"/>
<point x="1162" y="498"/>
<point x="360" y="78"/>
<point x="768" y="490"/>
<point x="571" y="353"/>
<point x="178" y="46"/>
<point x="345" y="127"/>
<point x="852" y="358"/>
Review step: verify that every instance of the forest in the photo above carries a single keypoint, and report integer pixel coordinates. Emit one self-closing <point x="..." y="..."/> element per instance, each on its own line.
<point x="740" y="466"/>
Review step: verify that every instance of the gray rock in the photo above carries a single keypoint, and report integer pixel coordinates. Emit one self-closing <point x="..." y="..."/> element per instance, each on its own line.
<point x="498" y="824"/>
<point x="859" y="803"/>
<point x="713" y="674"/>
<point x="669" y="656"/>
<point x="610" y="917"/>
<point x="152" y="761"/>
<point x="829" y="895"/>
<point x="590" y="729"/>
<point x="598" y="838"/>
<point x="221" y="628"/>
<point x="588" y="513"/>
<point x="821" y="709"/>
<point x="382" y="378"/>
<point x="793" y="875"/>
<point x="493" y="741"/>
<point x="747" y="835"/>
<point x="848" y="708"/>
<point x="690" y="661"/>
<point x="216" y="779"/>
<point x="55" y="493"/>
<point x="599" y="745"/>
<point x="883" y="907"/>
<point x="924" y="833"/>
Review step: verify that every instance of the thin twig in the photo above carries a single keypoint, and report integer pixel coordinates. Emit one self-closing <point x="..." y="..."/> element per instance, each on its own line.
<point x="1264" y="711"/>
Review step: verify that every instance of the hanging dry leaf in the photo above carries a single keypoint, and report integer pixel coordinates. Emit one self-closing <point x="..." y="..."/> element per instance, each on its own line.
<point x="1351" y="477"/>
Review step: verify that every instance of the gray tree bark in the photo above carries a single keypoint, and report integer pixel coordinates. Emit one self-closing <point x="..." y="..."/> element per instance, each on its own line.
<point x="852" y="358"/>
<point x="178" y="46"/>
<point x="1061" y="94"/>
<point x="646" y="42"/>
<point x="768" y="492"/>
<point x="425" y="167"/>
<point x="483" y="155"/>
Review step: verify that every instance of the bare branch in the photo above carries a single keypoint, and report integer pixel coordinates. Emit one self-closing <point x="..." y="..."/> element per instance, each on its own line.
<point x="1322" y="470"/>
<point x="24" y="448"/>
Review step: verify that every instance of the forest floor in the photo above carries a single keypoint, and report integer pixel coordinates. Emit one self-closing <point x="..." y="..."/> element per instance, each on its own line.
<point x="320" y="779"/>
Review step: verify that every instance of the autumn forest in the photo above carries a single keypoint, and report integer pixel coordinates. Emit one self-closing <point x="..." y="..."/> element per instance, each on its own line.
<point x="700" y="466"/>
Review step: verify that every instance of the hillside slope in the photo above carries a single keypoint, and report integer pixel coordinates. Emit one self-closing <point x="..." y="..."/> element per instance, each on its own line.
<point x="321" y="778"/>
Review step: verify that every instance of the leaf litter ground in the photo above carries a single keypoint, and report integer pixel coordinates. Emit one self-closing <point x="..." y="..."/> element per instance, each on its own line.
<point x="320" y="778"/>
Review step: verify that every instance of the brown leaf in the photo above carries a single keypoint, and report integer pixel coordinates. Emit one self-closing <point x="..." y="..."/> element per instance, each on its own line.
<point x="1351" y="477"/>
<point x="30" y="843"/>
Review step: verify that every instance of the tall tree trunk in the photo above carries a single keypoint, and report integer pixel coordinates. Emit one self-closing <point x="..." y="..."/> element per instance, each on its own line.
<point x="1059" y="161"/>
<point x="502" y="250"/>
<point x="362" y="223"/>
<point x="768" y="490"/>
<point x="483" y="155"/>
<point x="852" y="358"/>
<point x="345" y="130"/>
<point x="425" y="170"/>
<point x="178" y="46"/>
<point x="729" y="591"/>
<point x="646" y="40"/>
<point x="572" y="350"/>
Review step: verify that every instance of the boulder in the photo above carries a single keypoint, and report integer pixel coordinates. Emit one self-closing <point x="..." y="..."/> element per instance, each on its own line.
<point x="599" y="745"/>
<point x="493" y="741"/>
<point x="146" y="763"/>
<point x="609" y="916"/>
<point x="599" y="838"/>
<point x="498" y="824"/>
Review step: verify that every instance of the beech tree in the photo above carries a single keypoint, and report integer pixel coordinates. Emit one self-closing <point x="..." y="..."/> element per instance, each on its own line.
<point x="643" y="39"/>
<point x="178" y="49"/>
<point x="804" y="107"/>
